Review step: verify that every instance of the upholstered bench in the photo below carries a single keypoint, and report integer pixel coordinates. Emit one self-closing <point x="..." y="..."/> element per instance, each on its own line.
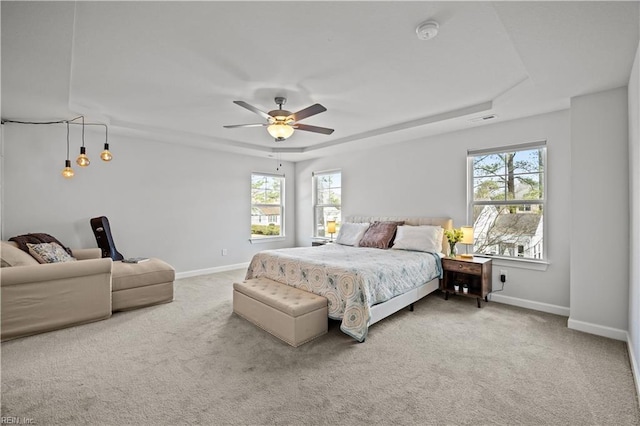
<point x="135" y="285"/>
<point x="290" y="314"/>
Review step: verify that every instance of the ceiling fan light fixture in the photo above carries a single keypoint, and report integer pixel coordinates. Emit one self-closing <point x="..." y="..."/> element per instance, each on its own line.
<point x="280" y="131"/>
<point x="282" y="123"/>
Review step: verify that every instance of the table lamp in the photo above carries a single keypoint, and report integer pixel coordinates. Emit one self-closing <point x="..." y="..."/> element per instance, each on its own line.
<point x="467" y="239"/>
<point x="331" y="228"/>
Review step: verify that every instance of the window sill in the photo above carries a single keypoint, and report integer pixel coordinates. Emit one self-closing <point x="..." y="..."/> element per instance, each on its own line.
<point x="266" y="240"/>
<point x="534" y="265"/>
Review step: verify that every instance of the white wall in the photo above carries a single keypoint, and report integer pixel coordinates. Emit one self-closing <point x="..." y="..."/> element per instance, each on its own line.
<point x="177" y="203"/>
<point x="428" y="177"/>
<point x="185" y="204"/>
<point x="1" y="177"/>
<point x="600" y="213"/>
<point x="634" y="212"/>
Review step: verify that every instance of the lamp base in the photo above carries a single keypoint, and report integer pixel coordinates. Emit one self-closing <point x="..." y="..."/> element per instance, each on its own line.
<point x="466" y="256"/>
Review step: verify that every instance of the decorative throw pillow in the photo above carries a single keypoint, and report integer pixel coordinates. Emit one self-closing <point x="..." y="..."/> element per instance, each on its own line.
<point x="380" y="235"/>
<point x="419" y="238"/>
<point x="36" y="238"/>
<point x="49" y="253"/>
<point x="351" y="233"/>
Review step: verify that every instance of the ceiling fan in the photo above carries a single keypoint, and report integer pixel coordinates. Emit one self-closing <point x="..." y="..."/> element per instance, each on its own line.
<point x="281" y="123"/>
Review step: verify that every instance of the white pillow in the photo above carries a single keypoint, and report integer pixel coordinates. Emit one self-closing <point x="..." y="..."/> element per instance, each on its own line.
<point x="419" y="238"/>
<point x="351" y="233"/>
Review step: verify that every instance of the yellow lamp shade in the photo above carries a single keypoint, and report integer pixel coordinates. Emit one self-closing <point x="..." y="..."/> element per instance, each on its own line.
<point x="467" y="235"/>
<point x="331" y="227"/>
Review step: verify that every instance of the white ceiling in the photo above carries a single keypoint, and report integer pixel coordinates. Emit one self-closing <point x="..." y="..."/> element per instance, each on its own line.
<point x="169" y="71"/>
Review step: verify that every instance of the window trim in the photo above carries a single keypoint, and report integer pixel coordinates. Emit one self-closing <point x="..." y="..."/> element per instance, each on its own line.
<point x="314" y="199"/>
<point x="538" y="264"/>
<point x="270" y="238"/>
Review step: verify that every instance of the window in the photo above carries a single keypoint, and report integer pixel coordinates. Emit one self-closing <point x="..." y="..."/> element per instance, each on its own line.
<point x="327" y="201"/>
<point x="507" y="200"/>
<point x="267" y="206"/>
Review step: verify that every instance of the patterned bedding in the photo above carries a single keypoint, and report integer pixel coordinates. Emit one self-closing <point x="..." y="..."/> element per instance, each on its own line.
<point x="352" y="278"/>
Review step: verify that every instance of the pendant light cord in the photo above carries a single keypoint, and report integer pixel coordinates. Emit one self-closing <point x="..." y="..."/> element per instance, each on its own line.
<point x="67" y="140"/>
<point x="106" y="128"/>
<point x="4" y="120"/>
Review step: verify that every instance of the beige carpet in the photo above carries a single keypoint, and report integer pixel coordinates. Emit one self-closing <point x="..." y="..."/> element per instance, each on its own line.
<point x="194" y="362"/>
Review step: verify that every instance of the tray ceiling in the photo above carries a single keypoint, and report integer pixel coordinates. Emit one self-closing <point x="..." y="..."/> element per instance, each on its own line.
<point x="169" y="71"/>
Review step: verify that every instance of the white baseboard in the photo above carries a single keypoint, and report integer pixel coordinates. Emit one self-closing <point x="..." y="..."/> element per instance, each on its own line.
<point x="530" y="304"/>
<point x="208" y="271"/>
<point x="634" y="366"/>
<point x="598" y="330"/>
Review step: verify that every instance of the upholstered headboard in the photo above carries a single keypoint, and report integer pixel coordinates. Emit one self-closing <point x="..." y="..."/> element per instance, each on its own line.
<point x="445" y="222"/>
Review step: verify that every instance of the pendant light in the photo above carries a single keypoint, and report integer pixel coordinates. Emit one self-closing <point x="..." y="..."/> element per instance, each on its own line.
<point x="83" y="160"/>
<point x="106" y="154"/>
<point x="67" y="172"/>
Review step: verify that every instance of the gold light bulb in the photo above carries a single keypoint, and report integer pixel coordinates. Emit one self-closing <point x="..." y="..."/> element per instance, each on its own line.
<point x="106" y="154"/>
<point x="67" y="172"/>
<point x="83" y="160"/>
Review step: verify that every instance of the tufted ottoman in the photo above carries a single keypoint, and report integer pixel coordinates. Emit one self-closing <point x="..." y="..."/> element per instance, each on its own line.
<point x="135" y="285"/>
<point x="293" y="315"/>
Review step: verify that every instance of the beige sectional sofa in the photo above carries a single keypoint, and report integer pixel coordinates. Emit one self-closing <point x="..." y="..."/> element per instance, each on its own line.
<point x="135" y="285"/>
<point x="42" y="297"/>
<point x="36" y="297"/>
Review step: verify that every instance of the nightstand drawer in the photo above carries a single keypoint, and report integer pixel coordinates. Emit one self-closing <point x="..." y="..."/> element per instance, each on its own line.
<point x="464" y="267"/>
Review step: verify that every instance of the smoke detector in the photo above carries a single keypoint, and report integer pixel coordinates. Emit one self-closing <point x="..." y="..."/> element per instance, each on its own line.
<point x="427" y="30"/>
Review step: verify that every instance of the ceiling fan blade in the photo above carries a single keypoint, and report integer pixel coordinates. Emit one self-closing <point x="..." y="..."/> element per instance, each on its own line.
<point x="316" y="129"/>
<point x="308" y="112"/>
<point x="253" y="109"/>
<point x="233" y="126"/>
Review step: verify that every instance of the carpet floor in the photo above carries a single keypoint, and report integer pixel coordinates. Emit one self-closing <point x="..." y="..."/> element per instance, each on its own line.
<point x="193" y="361"/>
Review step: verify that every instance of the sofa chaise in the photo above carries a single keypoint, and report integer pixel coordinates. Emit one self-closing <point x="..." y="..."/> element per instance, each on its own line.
<point x="37" y="297"/>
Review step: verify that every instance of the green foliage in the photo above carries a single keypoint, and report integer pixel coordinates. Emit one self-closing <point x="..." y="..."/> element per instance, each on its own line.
<point x="265" y="189"/>
<point x="270" y="229"/>
<point x="328" y="189"/>
<point x="502" y="177"/>
<point x="453" y="235"/>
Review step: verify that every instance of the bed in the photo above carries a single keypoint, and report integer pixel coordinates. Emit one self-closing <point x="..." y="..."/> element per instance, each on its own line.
<point x="362" y="285"/>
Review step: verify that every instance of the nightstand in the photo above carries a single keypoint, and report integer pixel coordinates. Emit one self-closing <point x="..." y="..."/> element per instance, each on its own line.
<point x="318" y="243"/>
<point x="475" y="273"/>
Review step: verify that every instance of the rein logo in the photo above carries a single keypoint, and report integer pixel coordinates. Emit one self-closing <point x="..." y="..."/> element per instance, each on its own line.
<point x="9" y="420"/>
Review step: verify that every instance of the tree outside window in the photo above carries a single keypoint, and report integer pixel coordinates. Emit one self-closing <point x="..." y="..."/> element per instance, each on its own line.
<point x="507" y="201"/>
<point x="267" y="206"/>
<point x="327" y="201"/>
